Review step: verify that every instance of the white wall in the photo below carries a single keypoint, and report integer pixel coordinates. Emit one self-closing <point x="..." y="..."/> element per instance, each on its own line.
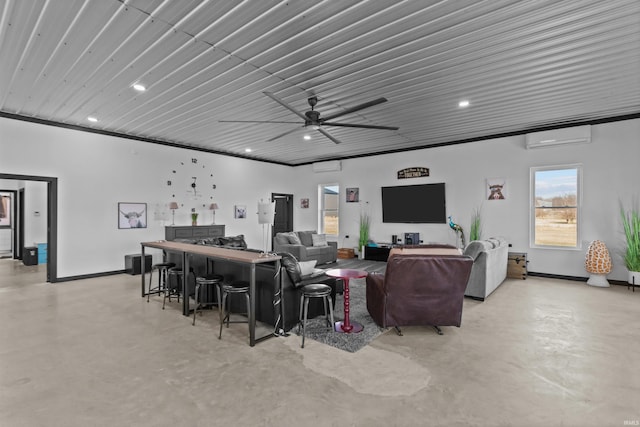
<point x="609" y="175"/>
<point x="35" y="215"/>
<point x="96" y="172"/>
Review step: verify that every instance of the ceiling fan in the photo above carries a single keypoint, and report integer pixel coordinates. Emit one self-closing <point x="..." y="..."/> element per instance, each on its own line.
<point x="312" y="117"/>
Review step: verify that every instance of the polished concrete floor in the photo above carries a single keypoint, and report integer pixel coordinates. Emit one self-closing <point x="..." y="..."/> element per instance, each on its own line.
<point x="92" y="352"/>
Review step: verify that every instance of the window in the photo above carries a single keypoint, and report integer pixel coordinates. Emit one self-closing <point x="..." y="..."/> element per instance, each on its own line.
<point x="555" y="207"/>
<point x="329" y="196"/>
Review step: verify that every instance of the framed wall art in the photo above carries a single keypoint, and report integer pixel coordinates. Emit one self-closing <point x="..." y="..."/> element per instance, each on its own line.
<point x="353" y="195"/>
<point x="496" y="188"/>
<point x="132" y="215"/>
<point x="240" y="211"/>
<point x="5" y="209"/>
<point x="304" y="203"/>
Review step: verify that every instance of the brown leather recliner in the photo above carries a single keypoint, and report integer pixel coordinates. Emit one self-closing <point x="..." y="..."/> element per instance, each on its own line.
<point x="419" y="290"/>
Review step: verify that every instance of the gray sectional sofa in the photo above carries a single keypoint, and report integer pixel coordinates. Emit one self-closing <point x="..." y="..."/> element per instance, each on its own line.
<point x="305" y="247"/>
<point x="490" y="258"/>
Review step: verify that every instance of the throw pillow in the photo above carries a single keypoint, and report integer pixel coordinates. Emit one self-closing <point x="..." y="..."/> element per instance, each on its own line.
<point x="319" y="240"/>
<point x="233" y="241"/>
<point x="290" y="263"/>
<point x="305" y="237"/>
<point x="307" y="267"/>
<point x="293" y="239"/>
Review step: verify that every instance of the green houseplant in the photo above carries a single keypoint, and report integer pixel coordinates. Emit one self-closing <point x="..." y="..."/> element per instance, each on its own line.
<point x="365" y="224"/>
<point x="631" y="226"/>
<point x="475" y="232"/>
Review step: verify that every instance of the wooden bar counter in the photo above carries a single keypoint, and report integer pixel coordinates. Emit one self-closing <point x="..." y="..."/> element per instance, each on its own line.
<point x="247" y="258"/>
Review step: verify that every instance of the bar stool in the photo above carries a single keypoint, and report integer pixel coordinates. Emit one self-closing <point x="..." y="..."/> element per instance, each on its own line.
<point x="211" y="282"/>
<point x="162" y="268"/>
<point x="176" y="274"/>
<point x="315" y="290"/>
<point x="227" y="289"/>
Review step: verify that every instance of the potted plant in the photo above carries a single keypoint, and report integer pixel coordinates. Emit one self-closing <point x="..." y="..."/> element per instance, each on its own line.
<point x="194" y="217"/>
<point x="365" y="223"/>
<point x="631" y="226"/>
<point x="475" y="231"/>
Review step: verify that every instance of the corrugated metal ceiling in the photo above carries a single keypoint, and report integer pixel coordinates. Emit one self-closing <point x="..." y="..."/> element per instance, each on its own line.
<point x="521" y="64"/>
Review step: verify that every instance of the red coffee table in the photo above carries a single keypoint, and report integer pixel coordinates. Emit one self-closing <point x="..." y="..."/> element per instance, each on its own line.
<point x="345" y="274"/>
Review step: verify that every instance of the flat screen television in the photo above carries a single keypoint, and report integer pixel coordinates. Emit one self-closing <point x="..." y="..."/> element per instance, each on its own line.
<point x="418" y="204"/>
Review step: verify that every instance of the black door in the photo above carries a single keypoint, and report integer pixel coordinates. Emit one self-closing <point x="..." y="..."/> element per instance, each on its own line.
<point x="283" y="219"/>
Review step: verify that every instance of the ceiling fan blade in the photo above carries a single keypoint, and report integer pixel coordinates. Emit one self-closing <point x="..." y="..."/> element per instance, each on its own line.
<point x="357" y="108"/>
<point x="254" y="121"/>
<point x="328" y="135"/>
<point x="284" y="134"/>
<point x="285" y="105"/>
<point x="348" y="125"/>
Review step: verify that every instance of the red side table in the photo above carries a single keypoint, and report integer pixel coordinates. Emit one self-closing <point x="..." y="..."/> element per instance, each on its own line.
<point x="345" y="274"/>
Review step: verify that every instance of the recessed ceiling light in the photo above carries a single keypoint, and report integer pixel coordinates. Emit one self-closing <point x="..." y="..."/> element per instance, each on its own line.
<point x="463" y="103"/>
<point x="92" y="119"/>
<point x="139" y="87"/>
<point x="307" y="137"/>
<point x="248" y="150"/>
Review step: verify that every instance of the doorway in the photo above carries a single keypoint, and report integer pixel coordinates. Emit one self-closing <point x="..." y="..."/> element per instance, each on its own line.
<point x="283" y="219"/>
<point x="52" y="221"/>
<point x="8" y="223"/>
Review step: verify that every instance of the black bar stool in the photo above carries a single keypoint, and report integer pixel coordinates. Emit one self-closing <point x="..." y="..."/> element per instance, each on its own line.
<point x="233" y="288"/>
<point x="162" y="268"/>
<point x="315" y="290"/>
<point x="174" y="284"/>
<point x="210" y="282"/>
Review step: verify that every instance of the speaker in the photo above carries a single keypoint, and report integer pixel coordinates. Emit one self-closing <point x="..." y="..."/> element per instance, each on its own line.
<point x="394" y="239"/>
<point x="411" y="238"/>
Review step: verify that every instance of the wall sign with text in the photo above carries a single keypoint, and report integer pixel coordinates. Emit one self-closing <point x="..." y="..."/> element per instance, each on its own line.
<point x="413" y="173"/>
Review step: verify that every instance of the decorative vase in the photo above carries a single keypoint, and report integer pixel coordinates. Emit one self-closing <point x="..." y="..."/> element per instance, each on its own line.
<point x="361" y="253"/>
<point x="194" y="222"/>
<point x="598" y="264"/>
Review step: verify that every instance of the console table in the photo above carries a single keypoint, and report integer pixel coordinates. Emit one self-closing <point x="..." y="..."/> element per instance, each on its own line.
<point x="172" y="232"/>
<point x="377" y="253"/>
<point x="246" y="258"/>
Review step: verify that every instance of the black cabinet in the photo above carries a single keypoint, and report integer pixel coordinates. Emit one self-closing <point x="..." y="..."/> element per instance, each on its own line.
<point x="379" y="253"/>
<point x="172" y="232"/>
<point x="132" y="263"/>
<point x="30" y="255"/>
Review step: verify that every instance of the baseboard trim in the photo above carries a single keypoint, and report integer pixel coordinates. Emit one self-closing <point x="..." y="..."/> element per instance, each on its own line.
<point x="89" y="276"/>
<point x="574" y="278"/>
<point x="557" y="276"/>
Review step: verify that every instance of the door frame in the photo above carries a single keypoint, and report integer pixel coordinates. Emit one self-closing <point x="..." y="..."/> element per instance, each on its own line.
<point x="52" y="219"/>
<point x="289" y="207"/>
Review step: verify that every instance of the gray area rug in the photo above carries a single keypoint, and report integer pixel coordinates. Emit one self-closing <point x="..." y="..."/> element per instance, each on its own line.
<point x="317" y="329"/>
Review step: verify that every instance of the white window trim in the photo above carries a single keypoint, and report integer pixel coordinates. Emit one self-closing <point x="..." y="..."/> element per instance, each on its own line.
<point x="532" y="207"/>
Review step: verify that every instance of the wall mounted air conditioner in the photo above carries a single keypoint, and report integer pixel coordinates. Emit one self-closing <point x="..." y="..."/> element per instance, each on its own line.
<point x="552" y="138"/>
<point x="331" y="166"/>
